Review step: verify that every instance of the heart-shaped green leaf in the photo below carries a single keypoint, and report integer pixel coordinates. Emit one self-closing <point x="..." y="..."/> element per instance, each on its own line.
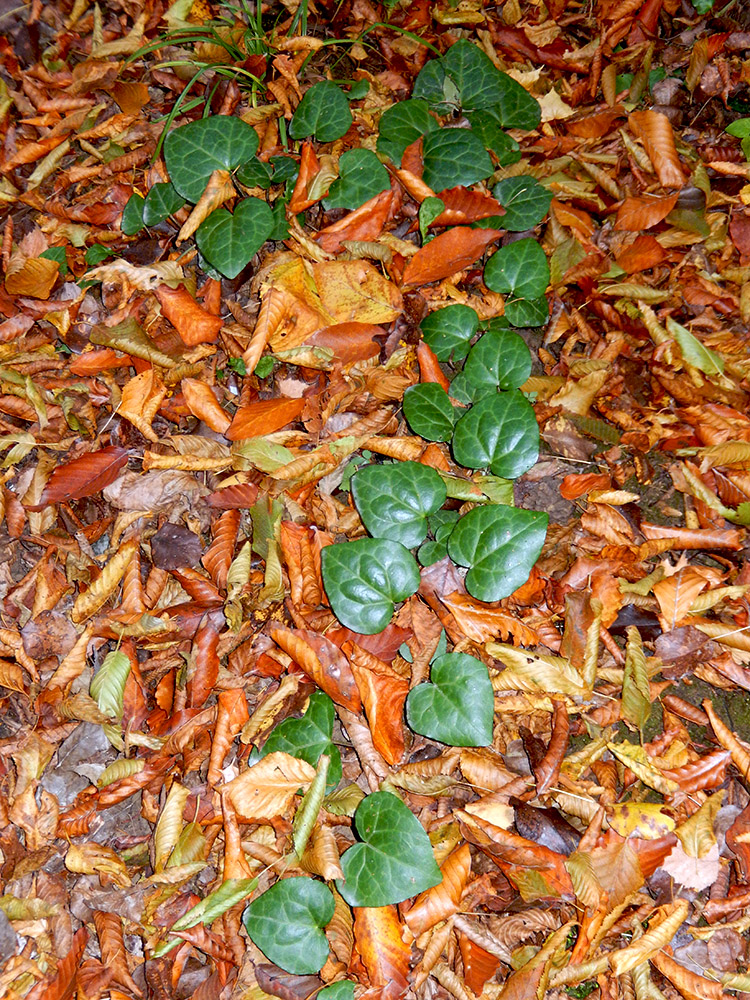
<point x="500" y="358"/>
<point x="322" y="112"/>
<point x="364" y="579"/>
<point x="287" y="923"/>
<point x="527" y="312"/>
<point x="394" y="860"/>
<point x="429" y="411"/>
<point x="401" y="125"/>
<point x="525" y="202"/>
<point x="161" y="202"/>
<point x="255" y="173"/>
<point x="434" y="86"/>
<point x="457" y="705"/>
<point x="519" y="268"/>
<point x="515" y="107"/>
<point x="500" y="546"/>
<point x="452" y="157"/>
<point x="229" y="241"/>
<point x="395" y="500"/>
<point x="487" y="127"/>
<point x="448" y="331"/>
<point x="192" y="152"/>
<point x="361" y="177"/>
<point x="132" y="215"/>
<point x="309" y="737"/>
<point x="499" y="431"/>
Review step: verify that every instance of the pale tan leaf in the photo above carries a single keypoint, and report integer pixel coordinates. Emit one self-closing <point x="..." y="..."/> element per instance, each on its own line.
<point x="266" y="790"/>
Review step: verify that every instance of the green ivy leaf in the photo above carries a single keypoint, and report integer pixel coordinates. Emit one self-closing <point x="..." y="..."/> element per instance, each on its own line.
<point x="285" y="168"/>
<point x="60" y="255"/>
<point x="229" y="241"/>
<point x="287" y="923"/>
<point x="740" y="128"/>
<point x="527" y="312"/>
<point x="255" y="173"/>
<point x="693" y="351"/>
<point x="431" y="552"/>
<point x="107" y="686"/>
<point x="487" y="127"/>
<point x="394" y="860"/>
<point x="361" y="177"/>
<point x="395" y="500"/>
<point x="452" y="157"/>
<point x="435" y="87"/>
<point x="342" y="990"/>
<point x="309" y="737"/>
<point x="206" y="910"/>
<point x="364" y="580"/>
<point x="499" y="431"/>
<point x="132" y="215"/>
<point x="520" y="268"/>
<point x="515" y="107"/>
<point x="449" y="330"/>
<point x="322" y="112"/>
<point x="456" y="706"/>
<point x="429" y="411"/>
<point x="401" y="125"/>
<point x="161" y="202"/>
<point x="525" y="200"/>
<point x="500" y="546"/>
<point x="499" y="359"/>
<point x="429" y="210"/>
<point x="193" y="151"/>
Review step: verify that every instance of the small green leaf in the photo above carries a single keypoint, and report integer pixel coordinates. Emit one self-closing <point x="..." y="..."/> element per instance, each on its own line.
<point x="193" y="151"/>
<point x="448" y="331"/>
<point x="287" y="924"/>
<point x="499" y="431"/>
<point x="264" y="367"/>
<point x="395" y="500"/>
<point x="96" y="253"/>
<point x="739" y="128"/>
<point x="429" y="210"/>
<point x="107" y="686"/>
<point x="342" y="990"/>
<point x="255" y="173"/>
<point x="487" y="127"/>
<point x="322" y="112"/>
<point x="59" y="254"/>
<point x="364" y="579"/>
<point x="429" y="411"/>
<point x="702" y="6"/>
<point x="693" y="351"/>
<point x="456" y="706"/>
<point x="401" y="125"/>
<point x="500" y="358"/>
<point x="309" y="807"/>
<point x="452" y="157"/>
<point x="527" y="312"/>
<point x="525" y="202"/>
<point x="229" y="241"/>
<point x="229" y="893"/>
<point x="435" y="87"/>
<point x="520" y="268"/>
<point x="431" y="552"/>
<point x="309" y="737"/>
<point x="285" y="168"/>
<point x="161" y="202"/>
<point x="361" y="177"/>
<point x="394" y="859"/>
<point x="132" y="215"/>
<point x="500" y="546"/>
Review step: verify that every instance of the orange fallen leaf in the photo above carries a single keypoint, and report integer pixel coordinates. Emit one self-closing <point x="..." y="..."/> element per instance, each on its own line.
<point x="264" y="416"/>
<point x="308" y="169"/>
<point x="464" y="205"/>
<point x="193" y="323"/>
<point x="204" y="405"/>
<point x="643" y="253"/>
<point x="448" y="253"/>
<point x="364" y="223"/>
<point x="349" y="341"/>
<point x="635" y="214"/>
<point x="377" y="931"/>
<point x="655" y="132"/>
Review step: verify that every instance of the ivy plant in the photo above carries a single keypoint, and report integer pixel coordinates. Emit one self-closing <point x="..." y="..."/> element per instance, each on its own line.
<point x="456" y="706"/>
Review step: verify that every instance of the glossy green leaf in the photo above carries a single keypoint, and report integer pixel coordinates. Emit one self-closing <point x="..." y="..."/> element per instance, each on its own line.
<point x="342" y="990"/>
<point x="394" y="858"/>
<point x="434" y="86"/>
<point x="364" y="580"/>
<point x="519" y="268"/>
<point x="525" y="200"/>
<point x="132" y="215"/>
<point x="361" y="177"/>
<point x="515" y="106"/>
<point x="161" y="202"/>
<point x="287" y="923"/>
<point x="401" y="125"/>
<point x="452" y="157"/>
<point x="499" y="431"/>
<point x="395" y="500"/>
<point x="255" y="173"/>
<point x="107" y="686"/>
<point x="206" y="910"/>
<point x="456" y="706"/>
<point x="499" y="359"/>
<point x="739" y="128"/>
<point x="229" y="241"/>
<point x="485" y="125"/>
<point x="429" y="411"/>
<point x="429" y="210"/>
<point x="285" y="168"/>
<point x="527" y="312"/>
<point x="323" y="112"/>
<point x="449" y="330"/>
<point x="309" y="737"/>
<point x="193" y="151"/>
<point x="693" y="351"/>
<point x="500" y="546"/>
<point x="431" y="552"/>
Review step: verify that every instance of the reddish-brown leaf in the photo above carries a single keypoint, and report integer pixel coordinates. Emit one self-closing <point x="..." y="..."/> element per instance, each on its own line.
<point x="448" y="253"/>
<point x="83" y="476"/>
<point x="218" y="556"/>
<point x="99" y="360"/>
<point x="193" y="323"/>
<point x="383" y="694"/>
<point x="203" y="669"/>
<point x="377" y="931"/>
<point x="204" y="405"/>
<point x="444" y="899"/>
<point x="323" y="662"/>
<point x="349" y="342"/>
<point x="112" y="946"/>
<point x="479" y="965"/>
<point x="264" y="416"/>
<point x="635" y="214"/>
<point x="548" y="769"/>
<point x="60" y="986"/>
<point x="578" y="483"/>
<point x="364" y="223"/>
<point x="232" y="714"/>
<point x="233" y="497"/>
<point x="643" y="253"/>
<point x="655" y="132"/>
<point x="463" y="205"/>
<point x="429" y="366"/>
<point x="308" y="168"/>
<point x="592" y="124"/>
<point x="695" y="538"/>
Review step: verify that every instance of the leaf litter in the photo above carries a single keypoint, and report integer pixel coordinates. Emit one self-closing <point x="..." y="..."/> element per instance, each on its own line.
<point x="284" y="715"/>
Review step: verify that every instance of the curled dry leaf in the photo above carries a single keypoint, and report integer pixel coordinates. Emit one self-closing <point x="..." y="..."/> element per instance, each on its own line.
<point x="266" y="790"/>
<point x="636" y="213"/>
<point x="83" y="476"/>
<point x="193" y="323"/>
<point x="204" y="405"/>
<point x="378" y="934"/>
<point x="655" y="132"/>
<point x="442" y="901"/>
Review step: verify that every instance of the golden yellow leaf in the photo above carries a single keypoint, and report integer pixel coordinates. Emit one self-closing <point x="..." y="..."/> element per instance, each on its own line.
<point x="141" y="398"/>
<point x="218" y="190"/>
<point x="97" y="859"/>
<point x="266" y="790"/>
<point x="89" y="602"/>
<point x="676" y="594"/>
<point x="169" y="825"/>
<point x="663" y="925"/>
